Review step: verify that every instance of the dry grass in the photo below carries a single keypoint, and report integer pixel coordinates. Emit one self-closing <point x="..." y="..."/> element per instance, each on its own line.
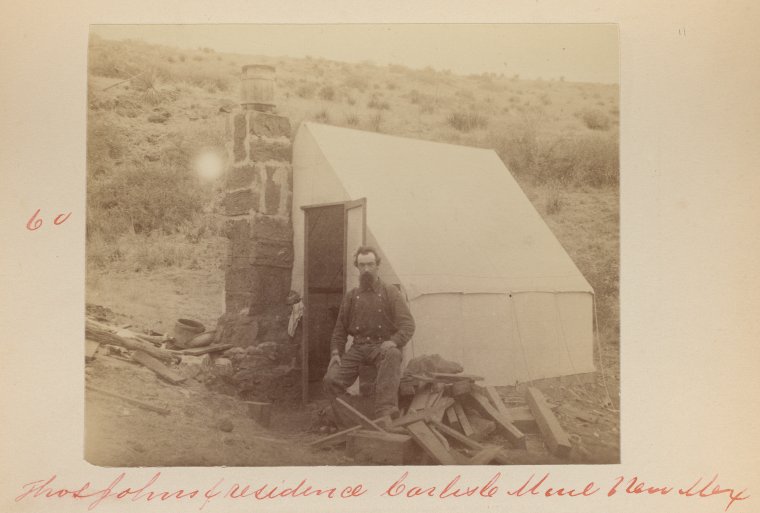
<point x="560" y="139"/>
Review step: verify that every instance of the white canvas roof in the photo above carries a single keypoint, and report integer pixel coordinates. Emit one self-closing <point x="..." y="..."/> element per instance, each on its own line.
<point x="448" y="218"/>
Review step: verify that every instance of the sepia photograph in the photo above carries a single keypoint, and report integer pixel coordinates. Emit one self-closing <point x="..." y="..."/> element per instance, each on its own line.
<point x="352" y="244"/>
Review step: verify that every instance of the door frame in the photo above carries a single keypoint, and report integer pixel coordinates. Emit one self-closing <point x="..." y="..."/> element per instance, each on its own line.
<point x="347" y="205"/>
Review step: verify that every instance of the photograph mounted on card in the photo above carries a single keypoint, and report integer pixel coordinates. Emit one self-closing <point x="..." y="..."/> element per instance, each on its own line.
<point x="338" y="245"/>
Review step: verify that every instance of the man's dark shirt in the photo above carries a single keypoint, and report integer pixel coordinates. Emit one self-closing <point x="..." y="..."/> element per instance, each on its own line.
<point x="373" y="315"/>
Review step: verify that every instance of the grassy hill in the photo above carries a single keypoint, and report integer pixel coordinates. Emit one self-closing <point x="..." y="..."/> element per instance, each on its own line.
<point x="151" y="219"/>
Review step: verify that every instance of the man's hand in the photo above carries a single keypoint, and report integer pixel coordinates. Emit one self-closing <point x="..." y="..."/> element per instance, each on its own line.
<point x="334" y="359"/>
<point x="388" y="344"/>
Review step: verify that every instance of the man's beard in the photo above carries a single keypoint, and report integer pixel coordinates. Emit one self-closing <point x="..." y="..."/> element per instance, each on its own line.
<point x="366" y="280"/>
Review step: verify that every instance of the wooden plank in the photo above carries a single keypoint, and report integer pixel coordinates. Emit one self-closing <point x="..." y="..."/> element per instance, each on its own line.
<point x="456" y="377"/>
<point x="379" y="448"/>
<point x="440" y="437"/>
<point x="357" y="416"/>
<point x="463" y="420"/>
<point x="130" y="400"/>
<point x="513" y="434"/>
<point x="199" y="351"/>
<point x="430" y="444"/>
<point x="161" y="370"/>
<point x="523" y="419"/>
<point x="485" y="456"/>
<point x="334" y="439"/>
<point x="98" y="332"/>
<point x="420" y="400"/>
<point x="554" y="436"/>
<point x="424" y="415"/>
<point x="451" y="418"/>
<point x="495" y="399"/>
<point x="500" y="457"/>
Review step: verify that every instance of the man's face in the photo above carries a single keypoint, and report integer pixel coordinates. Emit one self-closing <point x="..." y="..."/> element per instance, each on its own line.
<point x="367" y="265"/>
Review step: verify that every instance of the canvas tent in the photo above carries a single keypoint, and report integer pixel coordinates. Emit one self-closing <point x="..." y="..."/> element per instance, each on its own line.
<point x="487" y="282"/>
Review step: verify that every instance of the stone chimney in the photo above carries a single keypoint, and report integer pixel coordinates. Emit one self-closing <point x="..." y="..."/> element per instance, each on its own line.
<point x="257" y="204"/>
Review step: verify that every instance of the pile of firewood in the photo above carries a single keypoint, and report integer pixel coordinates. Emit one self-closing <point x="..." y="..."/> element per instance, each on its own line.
<point x="449" y="420"/>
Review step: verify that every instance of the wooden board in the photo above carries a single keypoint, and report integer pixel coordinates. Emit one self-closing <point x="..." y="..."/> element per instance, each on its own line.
<point x="555" y="437"/>
<point x="501" y="456"/>
<point x="495" y="399"/>
<point x="98" y="332"/>
<point x="357" y="416"/>
<point x="420" y="399"/>
<point x="451" y="418"/>
<point x="463" y="420"/>
<point x="161" y="370"/>
<point x="379" y="448"/>
<point x="430" y="444"/>
<point x="485" y="455"/>
<point x="424" y="415"/>
<point x="513" y="434"/>
<point x="523" y="419"/>
<point x="198" y="351"/>
<point x="335" y="438"/>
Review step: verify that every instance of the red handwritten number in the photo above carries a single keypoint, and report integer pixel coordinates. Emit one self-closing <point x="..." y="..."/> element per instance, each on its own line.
<point x="58" y="219"/>
<point x="33" y="222"/>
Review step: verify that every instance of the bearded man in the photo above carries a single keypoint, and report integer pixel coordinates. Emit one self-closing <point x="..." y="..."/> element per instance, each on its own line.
<point x="377" y="316"/>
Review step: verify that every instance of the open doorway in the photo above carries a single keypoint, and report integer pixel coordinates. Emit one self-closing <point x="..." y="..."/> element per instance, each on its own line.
<point x="332" y="233"/>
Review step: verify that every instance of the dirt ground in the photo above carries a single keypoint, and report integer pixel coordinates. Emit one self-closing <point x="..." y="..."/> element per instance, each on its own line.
<point x="204" y="428"/>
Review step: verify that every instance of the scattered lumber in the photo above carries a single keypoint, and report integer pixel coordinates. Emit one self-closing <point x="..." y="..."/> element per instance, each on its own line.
<point x="501" y="456"/>
<point x="451" y="418"/>
<point x="482" y="428"/>
<point x="420" y="399"/>
<point x="495" y="399"/>
<point x="463" y="420"/>
<point x="357" y="416"/>
<point x="130" y="400"/>
<point x="485" y="456"/>
<point x="161" y="370"/>
<point x="554" y="436"/>
<point x="523" y="419"/>
<point x="439" y="436"/>
<point x="199" y="351"/>
<point x="513" y="434"/>
<point x="335" y="438"/>
<point x="424" y="415"/>
<point x="431" y="444"/>
<point x="379" y="448"/>
<point x="98" y="332"/>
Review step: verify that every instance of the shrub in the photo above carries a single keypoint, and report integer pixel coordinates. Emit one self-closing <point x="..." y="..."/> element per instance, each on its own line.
<point x="352" y="119"/>
<point x="375" y="121"/>
<point x="595" y="119"/>
<point x="466" y="121"/>
<point x="306" y="90"/>
<point x="378" y="103"/>
<point x="357" y="82"/>
<point x="327" y="93"/>
<point x="322" y="116"/>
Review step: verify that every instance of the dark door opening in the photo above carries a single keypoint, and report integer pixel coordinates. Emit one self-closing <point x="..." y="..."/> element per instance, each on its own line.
<point x="331" y="234"/>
